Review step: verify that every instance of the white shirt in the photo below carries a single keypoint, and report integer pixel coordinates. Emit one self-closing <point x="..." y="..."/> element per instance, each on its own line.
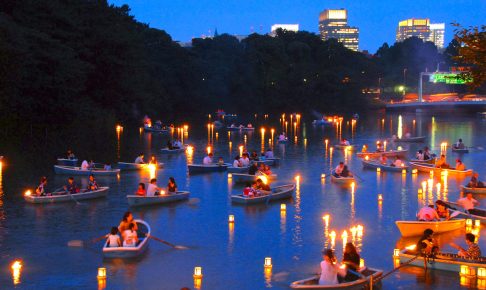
<point x="207" y="160"/>
<point x="236" y="163"/>
<point x="245" y="161"/>
<point x="151" y="189"/>
<point x="269" y="154"/>
<point x="338" y="169"/>
<point x="329" y="273"/>
<point x="129" y="240"/>
<point x="84" y="165"/>
<point x="139" y="160"/>
<point x="398" y="163"/>
<point x="466" y="203"/>
<point x="113" y="240"/>
<point x="281" y="137"/>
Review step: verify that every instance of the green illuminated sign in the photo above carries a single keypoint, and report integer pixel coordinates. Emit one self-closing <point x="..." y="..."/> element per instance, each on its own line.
<point x="453" y="79"/>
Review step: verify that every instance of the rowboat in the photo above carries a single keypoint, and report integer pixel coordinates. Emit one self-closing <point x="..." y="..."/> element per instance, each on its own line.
<point x="137" y="200"/>
<point x="154" y="130"/>
<point x="371" y="164"/>
<point x="63" y="197"/>
<point x="233" y="128"/>
<point x="321" y="122"/>
<point x="247" y="128"/>
<point x="362" y="283"/>
<point x="172" y="151"/>
<point x="425" y="167"/>
<point x="243" y="169"/>
<point x="136" y="166"/>
<point x="477" y="190"/>
<point x="457" y="150"/>
<point x="279" y="192"/>
<point x="429" y="161"/>
<point x="441" y="261"/>
<point x="243" y="177"/>
<point x="417" y="139"/>
<point x="480" y="212"/>
<point x="341" y="179"/>
<point x="342" y="147"/>
<point x="203" y="168"/>
<point x="392" y="153"/>
<point x="417" y="228"/>
<point x="130" y="252"/>
<point x="67" y="162"/>
<point x="78" y="171"/>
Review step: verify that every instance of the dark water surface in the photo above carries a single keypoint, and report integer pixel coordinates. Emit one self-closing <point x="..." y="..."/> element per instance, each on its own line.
<point x="231" y="257"/>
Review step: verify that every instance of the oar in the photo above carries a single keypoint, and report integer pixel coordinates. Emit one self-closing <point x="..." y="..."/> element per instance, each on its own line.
<point x="360" y="179"/>
<point x="454" y="214"/>
<point x="80" y="243"/>
<point x="167" y="243"/>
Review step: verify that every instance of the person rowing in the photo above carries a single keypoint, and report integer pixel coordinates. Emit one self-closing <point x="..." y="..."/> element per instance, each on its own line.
<point x="113" y="239"/>
<point x="442" y="162"/>
<point x="475" y="182"/>
<point x="469" y="204"/>
<point x="139" y="159"/>
<point x="41" y="189"/>
<point x="126" y="221"/>
<point x="92" y="184"/>
<point x="130" y="236"/>
<point x="208" y="160"/>
<point x="459" y="145"/>
<point x="460" y="166"/>
<point x="71" y="187"/>
<point x="473" y="250"/>
<point x="346" y="172"/>
<point x="339" y="169"/>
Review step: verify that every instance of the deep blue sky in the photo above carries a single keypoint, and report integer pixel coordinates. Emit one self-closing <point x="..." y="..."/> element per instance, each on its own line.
<point x="376" y="19"/>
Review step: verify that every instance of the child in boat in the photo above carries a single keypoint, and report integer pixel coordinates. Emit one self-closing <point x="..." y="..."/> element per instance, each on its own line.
<point x="40" y="190"/>
<point x="171" y="186"/>
<point x="114" y="238"/>
<point x="473" y="251"/>
<point x="92" y="184"/>
<point x="330" y="269"/>
<point x="141" y="190"/>
<point x="130" y="237"/>
<point x="247" y="191"/>
<point x="426" y="244"/>
<point x="220" y="161"/>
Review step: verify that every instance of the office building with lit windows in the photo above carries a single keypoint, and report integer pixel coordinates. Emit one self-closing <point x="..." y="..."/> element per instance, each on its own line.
<point x="285" y="27"/>
<point x="437" y="31"/>
<point x="423" y="29"/>
<point x="333" y="23"/>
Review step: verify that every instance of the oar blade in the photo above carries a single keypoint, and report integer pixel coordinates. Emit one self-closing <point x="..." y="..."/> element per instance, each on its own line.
<point x="76" y="243"/>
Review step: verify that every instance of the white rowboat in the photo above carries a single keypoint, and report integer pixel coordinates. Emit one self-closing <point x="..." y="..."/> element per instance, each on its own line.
<point x="442" y="261"/>
<point x="478" y="190"/>
<point x="417" y="228"/>
<point x="279" y="192"/>
<point x="424" y="167"/>
<point x="71" y="170"/>
<point x="130" y="252"/>
<point x="65" y="197"/>
<point x="312" y="283"/>
<point x="242" y="177"/>
<point x="137" y="200"/>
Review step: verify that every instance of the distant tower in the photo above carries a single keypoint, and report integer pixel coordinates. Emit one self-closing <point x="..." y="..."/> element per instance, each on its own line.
<point x="216" y="32"/>
<point x="333" y="23"/>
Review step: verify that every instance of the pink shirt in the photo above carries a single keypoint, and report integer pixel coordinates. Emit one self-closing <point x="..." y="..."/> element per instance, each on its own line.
<point x="427" y="214"/>
<point x="467" y="203"/>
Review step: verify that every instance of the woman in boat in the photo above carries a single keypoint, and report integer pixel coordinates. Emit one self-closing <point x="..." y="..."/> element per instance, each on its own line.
<point x="126" y="221"/>
<point x="419" y="155"/>
<point x="114" y="238"/>
<point x="92" y="184"/>
<point x="84" y="165"/>
<point x="220" y="161"/>
<point x="351" y="258"/>
<point x="141" y="190"/>
<point x="245" y="161"/>
<point x="267" y="170"/>
<point x="41" y="189"/>
<point x="459" y="165"/>
<point x="427" y="154"/>
<point x="71" y="187"/>
<point x="474" y="182"/>
<point x="237" y="162"/>
<point x="130" y="237"/>
<point x="171" y="186"/>
<point x="346" y="172"/>
<point x="339" y="169"/>
<point x="379" y="147"/>
<point x="153" y="160"/>
<point x="441" y="209"/>
<point x="426" y="245"/>
<point x="260" y="185"/>
<point x="330" y="269"/>
<point x="473" y="251"/>
<point x="139" y="159"/>
<point x="442" y="162"/>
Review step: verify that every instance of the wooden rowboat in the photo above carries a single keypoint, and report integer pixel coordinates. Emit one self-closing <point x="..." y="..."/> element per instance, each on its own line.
<point x="442" y="261"/>
<point x="417" y="139"/>
<point x="372" y="164"/>
<point x="173" y="151"/>
<point x="243" y="177"/>
<point x="135" y="166"/>
<point x="477" y="190"/>
<point x="136" y="200"/>
<point x="67" y="162"/>
<point x="342" y="147"/>
<point x="428" y="161"/>
<point x="71" y="170"/>
<point x="417" y="228"/>
<point x="341" y="180"/>
<point x="480" y="212"/>
<point x="391" y="153"/>
<point x="64" y="197"/>
<point x="457" y="150"/>
<point x="362" y="283"/>
<point x="425" y="167"/>
<point x="247" y="129"/>
<point x="130" y="252"/>
<point x="243" y="169"/>
<point x="279" y="192"/>
<point x="203" y="168"/>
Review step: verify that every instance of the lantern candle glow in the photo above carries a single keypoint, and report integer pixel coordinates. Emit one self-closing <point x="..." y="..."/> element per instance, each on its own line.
<point x="197" y="272"/>
<point x="231" y="218"/>
<point x="396" y="252"/>
<point x="268" y="262"/>
<point x="101" y="273"/>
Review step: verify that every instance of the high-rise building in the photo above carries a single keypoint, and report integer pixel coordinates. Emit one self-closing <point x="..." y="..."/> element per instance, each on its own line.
<point x="288" y="27"/>
<point x="333" y="23"/>
<point x="437" y="31"/>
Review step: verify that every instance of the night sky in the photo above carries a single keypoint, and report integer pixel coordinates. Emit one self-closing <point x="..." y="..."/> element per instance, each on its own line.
<point x="376" y="19"/>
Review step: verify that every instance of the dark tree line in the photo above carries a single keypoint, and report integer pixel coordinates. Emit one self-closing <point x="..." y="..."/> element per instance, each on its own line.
<point x="64" y="61"/>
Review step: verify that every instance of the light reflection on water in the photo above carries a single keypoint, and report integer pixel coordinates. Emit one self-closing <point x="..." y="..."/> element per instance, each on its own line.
<point x="233" y="254"/>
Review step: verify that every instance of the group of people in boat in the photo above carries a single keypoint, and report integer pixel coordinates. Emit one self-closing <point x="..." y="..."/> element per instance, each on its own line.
<point x="154" y="190"/>
<point x="175" y="144"/>
<point x="69" y="188"/>
<point x="333" y="273"/>
<point x="424" y="155"/>
<point x="125" y="234"/>
<point x="91" y="165"/>
<point x="395" y="163"/>
<point x="475" y="182"/>
<point x="441" y="209"/>
<point x="428" y="246"/>
<point x="342" y="170"/>
<point x="459" y="145"/>
<point x="442" y="163"/>
<point x="256" y="188"/>
<point x="208" y="160"/>
<point x="246" y="158"/>
<point x="233" y="125"/>
<point x="140" y="159"/>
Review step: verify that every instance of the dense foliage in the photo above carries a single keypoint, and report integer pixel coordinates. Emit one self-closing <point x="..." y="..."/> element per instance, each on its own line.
<point x="76" y="60"/>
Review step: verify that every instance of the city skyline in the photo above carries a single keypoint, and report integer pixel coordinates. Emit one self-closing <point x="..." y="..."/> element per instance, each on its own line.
<point x="237" y="18"/>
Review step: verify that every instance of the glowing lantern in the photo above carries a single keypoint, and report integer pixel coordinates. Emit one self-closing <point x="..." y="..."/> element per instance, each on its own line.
<point x="264" y="179"/>
<point x="208" y="149"/>
<point x="467" y="271"/>
<point x="16" y="267"/>
<point x="399" y="148"/>
<point x="327" y="142"/>
<point x="230" y="175"/>
<point x="283" y="207"/>
<point x="367" y="157"/>
<point x="361" y="263"/>
<point x="414" y="171"/>
<point x="380" y="197"/>
<point x="352" y="186"/>
<point x="189" y="150"/>
<point x="197" y="272"/>
<point x="186" y="128"/>
<point x="477" y="223"/>
<point x="378" y="170"/>
<point x="420" y="191"/>
<point x="101" y="273"/>
<point x="323" y="176"/>
<point x="268" y="262"/>
<point x="424" y="185"/>
<point x="482" y="273"/>
<point x="28" y="193"/>
<point x="297" y="178"/>
<point x="332" y="235"/>
<point x="241" y="150"/>
<point x="231" y="218"/>
<point x="396" y="252"/>
<point x="360" y="230"/>
<point x="431" y="173"/>
<point x="326" y="219"/>
<point x="469" y="222"/>
<point x="411" y="247"/>
<point x="404" y="171"/>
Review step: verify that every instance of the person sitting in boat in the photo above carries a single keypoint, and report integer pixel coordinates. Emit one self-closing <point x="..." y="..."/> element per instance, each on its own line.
<point x="344" y="142"/>
<point x="426" y="245"/>
<point x="364" y="149"/>
<point x="441" y="209"/>
<point x="442" y="162"/>
<point x="130" y="237"/>
<point x="254" y="156"/>
<point x="383" y="159"/>
<point x="330" y="269"/>
<point x="282" y="137"/>
<point x="459" y="145"/>
<point x="153" y="189"/>
<point x="267" y="170"/>
<point x="408" y="135"/>
<point x="427" y="154"/>
<point x="379" y="147"/>
<point x="153" y="160"/>
<point x="269" y="153"/>
<point x="141" y="190"/>
<point x="397" y="163"/>
<point x="233" y="125"/>
<point x="253" y="169"/>
<point x="247" y="191"/>
<point x="339" y="169"/>
<point x="261" y="168"/>
<point x="92" y="164"/>
<point x="460" y="166"/>
<point x="427" y="213"/>
<point x="245" y="160"/>
<point x="41" y="189"/>
<point x="473" y="251"/>
<point x="114" y="238"/>
<point x="419" y="155"/>
<point x="249" y="125"/>
<point x="469" y="204"/>
<point x="170" y="146"/>
<point x="70" y="155"/>
<point x="220" y="161"/>
<point x="351" y="259"/>
<point x="92" y="184"/>
<point x="474" y="182"/>
<point x="346" y="172"/>
<point x="262" y="157"/>
<point x="178" y="144"/>
<point x="107" y="166"/>
<point x="71" y="187"/>
<point x="237" y="162"/>
<point x="84" y="165"/>
<point x="260" y="185"/>
<point x="126" y="221"/>
<point x="208" y="160"/>
<point x="139" y="159"/>
<point x="171" y="186"/>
